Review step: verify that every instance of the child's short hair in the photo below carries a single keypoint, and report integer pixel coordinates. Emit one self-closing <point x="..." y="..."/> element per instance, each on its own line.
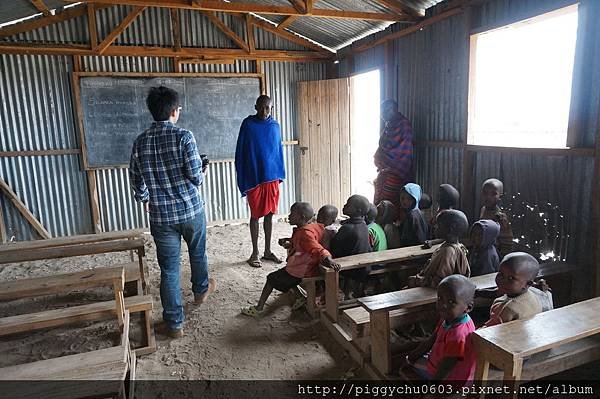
<point x="425" y="201"/>
<point x="386" y="212"/>
<point x="371" y="214"/>
<point x="455" y="220"/>
<point x="327" y="215"/>
<point x="497" y="184"/>
<point x="448" y="196"/>
<point x="460" y="285"/>
<point x="522" y="262"/>
<point x="306" y="209"/>
<point x="161" y="101"/>
<point x="361" y="203"/>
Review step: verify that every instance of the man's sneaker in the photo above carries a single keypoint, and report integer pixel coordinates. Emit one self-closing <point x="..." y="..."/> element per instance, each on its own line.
<point x="199" y="299"/>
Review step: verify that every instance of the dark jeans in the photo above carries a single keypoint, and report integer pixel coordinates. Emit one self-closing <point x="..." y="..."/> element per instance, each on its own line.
<point x="168" y="249"/>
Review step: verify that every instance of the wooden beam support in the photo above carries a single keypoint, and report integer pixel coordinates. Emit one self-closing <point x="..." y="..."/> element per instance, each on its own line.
<point x="226" y="30"/>
<point x="41" y="153"/>
<point x="36" y="23"/>
<point x="91" y="13"/>
<point x="155" y="51"/>
<point x="259" y="70"/>
<point x="287" y="22"/>
<point x="400" y="8"/>
<point x="41" y="7"/>
<point x="12" y="196"/>
<point x="175" y="29"/>
<point x="407" y="31"/>
<point x="596" y="217"/>
<point x="250" y="33"/>
<point x="215" y="5"/>
<point x="101" y="48"/>
<point x="298" y="5"/>
<point x="230" y="61"/>
<point x="288" y="35"/>
<point x="3" y="235"/>
<point x="309" y="6"/>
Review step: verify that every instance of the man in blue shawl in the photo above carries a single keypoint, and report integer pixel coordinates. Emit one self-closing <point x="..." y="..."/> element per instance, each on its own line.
<point x="259" y="170"/>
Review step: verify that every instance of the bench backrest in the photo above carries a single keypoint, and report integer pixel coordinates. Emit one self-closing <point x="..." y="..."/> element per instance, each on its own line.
<point x="383" y="257"/>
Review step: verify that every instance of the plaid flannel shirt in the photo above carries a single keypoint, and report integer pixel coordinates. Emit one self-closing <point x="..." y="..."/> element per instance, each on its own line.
<point x="166" y="170"/>
<point x="395" y="147"/>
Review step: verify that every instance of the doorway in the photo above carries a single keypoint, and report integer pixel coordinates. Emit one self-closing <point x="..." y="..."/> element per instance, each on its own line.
<point x="365" y="99"/>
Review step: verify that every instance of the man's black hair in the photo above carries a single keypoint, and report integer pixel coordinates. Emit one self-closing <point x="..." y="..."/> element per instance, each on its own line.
<point x="161" y="101"/>
<point x="262" y="98"/>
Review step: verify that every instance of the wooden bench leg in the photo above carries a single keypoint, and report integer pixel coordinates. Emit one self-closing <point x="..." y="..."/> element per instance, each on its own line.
<point x="311" y="298"/>
<point x="332" y="283"/>
<point x="381" y="355"/>
<point x="512" y="376"/>
<point x="150" y="338"/>
<point x="481" y="372"/>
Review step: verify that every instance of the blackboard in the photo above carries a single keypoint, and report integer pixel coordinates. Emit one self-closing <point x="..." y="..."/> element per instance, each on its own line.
<point x="113" y="113"/>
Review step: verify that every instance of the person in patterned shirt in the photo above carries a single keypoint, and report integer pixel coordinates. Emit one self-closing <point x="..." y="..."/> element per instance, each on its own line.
<point x="165" y="173"/>
<point x="393" y="158"/>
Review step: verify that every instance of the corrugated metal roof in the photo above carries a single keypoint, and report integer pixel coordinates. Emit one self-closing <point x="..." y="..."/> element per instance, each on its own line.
<point x="330" y="32"/>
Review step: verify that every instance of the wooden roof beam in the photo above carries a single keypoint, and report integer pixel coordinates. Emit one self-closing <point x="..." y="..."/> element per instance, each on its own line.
<point x="41" y="7"/>
<point x="175" y="29"/>
<point x="93" y="31"/>
<point x="226" y="30"/>
<point x="119" y="29"/>
<point x="401" y="8"/>
<point x="287" y="35"/>
<point x="287" y="22"/>
<point x="214" y="5"/>
<point x="298" y="5"/>
<point x="156" y="51"/>
<point x="36" y="23"/>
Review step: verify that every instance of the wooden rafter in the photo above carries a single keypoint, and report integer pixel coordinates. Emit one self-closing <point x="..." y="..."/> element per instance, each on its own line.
<point x="400" y="8"/>
<point x="91" y="12"/>
<point x="287" y="22"/>
<point x="309" y="6"/>
<point x="298" y="5"/>
<point x="287" y="35"/>
<point x="226" y="30"/>
<point x="223" y="61"/>
<point x="119" y="29"/>
<point x="41" y="7"/>
<point x="175" y="29"/>
<point x="12" y="196"/>
<point x="156" y="51"/>
<point x="214" y="5"/>
<point x="250" y="33"/>
<point x="36" y="23"/>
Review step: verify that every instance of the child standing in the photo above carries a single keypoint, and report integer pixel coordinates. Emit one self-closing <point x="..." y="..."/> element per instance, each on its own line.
<point x="377" y="238"/>
<point x="304" y="256"/>
<point x="413" y="230"/>
<point x="517" y="300"/>
<point x="351" y="239"/>
<point x="484" y="258"/>
<point x="450" y="257"/>
<point x="451" y="355"/>
<point x="491" y="192"/>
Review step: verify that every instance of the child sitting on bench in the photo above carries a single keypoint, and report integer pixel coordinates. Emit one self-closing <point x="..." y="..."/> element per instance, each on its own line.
<point x="303" y="259"/>
<point x="451" y="356"/>
<point x="448" y="198"/>
<point x="450" y="257"/>
<point x="483" y="258"/>
<point x="413" y="230"/>
<point x="517" y="300"/>
<point x="377" y="238"/>
<point x="386" y="218"/>
<point x="352" y="239"/>
<point x="327" y="216"/>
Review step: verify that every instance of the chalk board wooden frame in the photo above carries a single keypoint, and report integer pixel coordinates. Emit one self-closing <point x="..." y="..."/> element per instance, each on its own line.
<point x="79" y="110"/>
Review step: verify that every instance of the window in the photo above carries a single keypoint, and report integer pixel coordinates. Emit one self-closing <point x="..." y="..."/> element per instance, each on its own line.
<point x="520" y="82"/>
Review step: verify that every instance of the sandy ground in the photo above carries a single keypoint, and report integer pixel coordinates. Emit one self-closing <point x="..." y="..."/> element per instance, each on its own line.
<point x="219" y="342"/>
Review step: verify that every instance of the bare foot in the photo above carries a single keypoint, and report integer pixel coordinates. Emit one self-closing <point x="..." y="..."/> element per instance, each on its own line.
<point x="272" y="257"/>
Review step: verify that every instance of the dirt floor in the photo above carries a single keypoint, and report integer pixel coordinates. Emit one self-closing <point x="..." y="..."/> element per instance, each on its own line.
<point x="219" y="342"/>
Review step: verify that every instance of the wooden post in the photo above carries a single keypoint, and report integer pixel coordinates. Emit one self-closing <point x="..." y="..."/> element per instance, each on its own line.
<point x="381" y="356"/>
<point x="332" y="283"/>
<point x="389" y="69"/>
<point x="91" y="13"/>
<point x="468" y="189"/>
<point x="595" y="239"/>
<point x="3" y="236"/>
<point x="250" y="34"/>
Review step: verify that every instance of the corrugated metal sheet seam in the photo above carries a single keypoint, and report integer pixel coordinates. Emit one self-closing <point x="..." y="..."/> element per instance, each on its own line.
<point x="37" y="114"/>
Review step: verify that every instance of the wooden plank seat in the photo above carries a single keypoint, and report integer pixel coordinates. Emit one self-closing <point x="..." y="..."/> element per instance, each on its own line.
<point x="88" y="312"/>
<point x="507" y="346"/>
<point x="64" y="283"/>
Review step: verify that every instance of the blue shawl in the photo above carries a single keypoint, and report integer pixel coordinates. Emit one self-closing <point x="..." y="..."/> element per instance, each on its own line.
<point x="259" y="153"/>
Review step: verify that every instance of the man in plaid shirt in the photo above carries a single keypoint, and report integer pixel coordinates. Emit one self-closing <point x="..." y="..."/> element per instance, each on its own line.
<point x="393" y="158"/>
<point x="165" y="173"/>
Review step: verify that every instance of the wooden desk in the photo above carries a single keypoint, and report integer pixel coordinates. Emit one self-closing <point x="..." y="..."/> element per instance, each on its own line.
<point x="364" y="260"/>
<point x="507" y="345"/>
<point x="380" y="306"/>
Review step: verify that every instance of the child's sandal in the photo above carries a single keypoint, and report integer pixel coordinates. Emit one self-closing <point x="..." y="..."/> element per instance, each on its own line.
<point x="252" y="312"/>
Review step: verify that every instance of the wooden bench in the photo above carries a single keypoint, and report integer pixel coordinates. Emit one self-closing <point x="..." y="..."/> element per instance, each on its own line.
<point x="380" y="308"/>
<point x="65" y="283"/>
<point x="571" y="332"/>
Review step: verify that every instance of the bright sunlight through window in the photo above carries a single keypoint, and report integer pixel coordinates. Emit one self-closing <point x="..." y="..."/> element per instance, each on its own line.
<point x="520" y="83"/>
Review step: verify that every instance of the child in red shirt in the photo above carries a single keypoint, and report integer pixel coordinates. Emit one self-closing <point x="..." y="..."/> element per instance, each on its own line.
<point x="451" y="356"/>
<point x="303" y="260"/>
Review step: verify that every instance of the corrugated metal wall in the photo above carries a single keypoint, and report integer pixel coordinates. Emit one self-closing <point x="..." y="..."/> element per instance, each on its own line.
<point x="432" y="87"/>
<point x="37" y="114"/>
